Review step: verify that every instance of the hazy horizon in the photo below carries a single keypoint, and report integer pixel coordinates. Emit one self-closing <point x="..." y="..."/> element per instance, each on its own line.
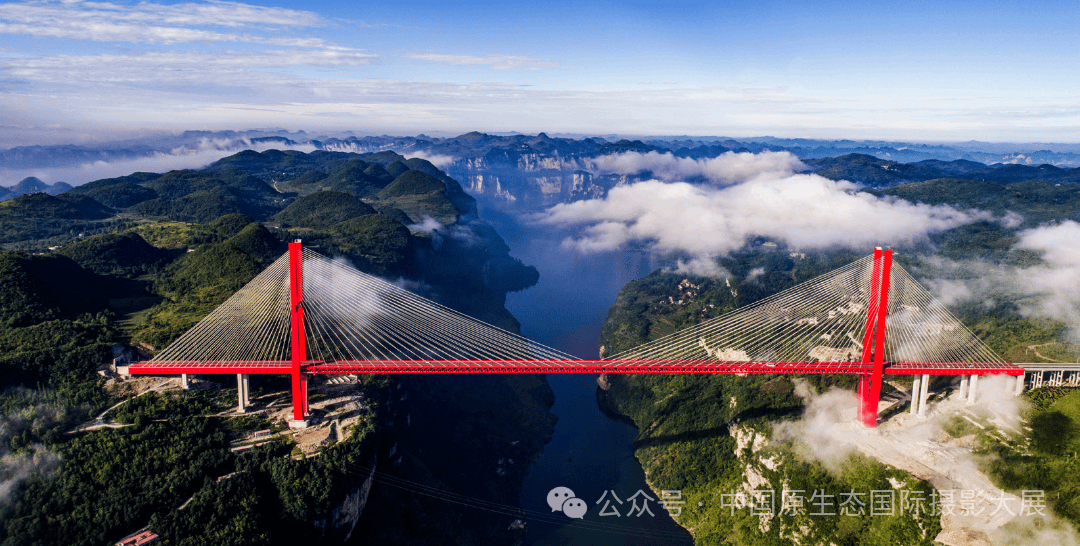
<point x="148" y="151"/>
<point x="916" y="72"/>
<point x="14" y="137"/>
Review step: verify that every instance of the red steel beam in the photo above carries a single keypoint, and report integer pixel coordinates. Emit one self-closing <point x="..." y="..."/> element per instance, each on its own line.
<point x="585" y="366"/>
<point x="657" y="366"/>
<point x="570" y="366"/>
<point x="152" y="367"/>
<point x="952" y="368"/>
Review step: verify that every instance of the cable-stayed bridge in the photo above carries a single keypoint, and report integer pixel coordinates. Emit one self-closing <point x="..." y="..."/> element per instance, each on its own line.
<point x="307" y="314"/>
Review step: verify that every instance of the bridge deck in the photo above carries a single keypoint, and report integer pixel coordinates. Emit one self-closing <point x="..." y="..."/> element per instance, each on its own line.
<point x="568" y="366"/>
<point x="1050" y="366"/>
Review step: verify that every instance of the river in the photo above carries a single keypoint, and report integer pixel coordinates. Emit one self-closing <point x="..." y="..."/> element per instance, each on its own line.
<point x="590" y="452"/>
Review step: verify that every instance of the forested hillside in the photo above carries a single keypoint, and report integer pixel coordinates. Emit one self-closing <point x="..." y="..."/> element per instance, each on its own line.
<point x="137" y="260"/>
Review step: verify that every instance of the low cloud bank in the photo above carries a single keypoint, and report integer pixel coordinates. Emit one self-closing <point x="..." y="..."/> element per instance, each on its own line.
<point x="205" y="152"/>
<point x="1056" y="282"/>
<point x="726" y="168"/>
<point x="747" y="195"/>
<point x="1048" y="289"/>
<point x="439" y="160"/>
<point x="15" y="468"/>
<point x="33" y="460"/>
<point x="827" y="433"/>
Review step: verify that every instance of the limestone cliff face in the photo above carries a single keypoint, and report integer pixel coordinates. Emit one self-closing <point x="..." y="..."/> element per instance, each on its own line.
<point x="343" y="518"/>
<point x="531" y="180"/>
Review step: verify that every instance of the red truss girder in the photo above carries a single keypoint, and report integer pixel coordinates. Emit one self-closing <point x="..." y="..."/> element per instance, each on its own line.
<point x="152" y="367"/>
<point x="569" y="366"/>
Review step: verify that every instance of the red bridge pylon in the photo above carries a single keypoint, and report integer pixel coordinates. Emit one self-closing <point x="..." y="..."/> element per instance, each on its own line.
<point x="298" y="336"/>
<point x="874" y="339"/>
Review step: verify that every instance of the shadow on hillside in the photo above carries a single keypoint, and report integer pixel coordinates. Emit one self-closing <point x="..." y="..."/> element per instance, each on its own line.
<point x="771" y="414"/>
<point x="690" y="435"/>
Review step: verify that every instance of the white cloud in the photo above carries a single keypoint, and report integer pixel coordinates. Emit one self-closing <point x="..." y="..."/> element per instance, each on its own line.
<point x="439" y="160"/>
<point x="206" y="152"/>
<point x="701" y="266"/>
<point x="342" y="99"/>
<point x="159" y="85"/>
<point x="725" y="168"/>
<point x="806" y="210"/>
<point x="497" y="62"/>
<point x="160" y="95"/>
<point x="828" y="433"/>
<point x="164" y="67"/>
<point x="1049" y="289"/>
<point x="149" y="22"/>
<point x="1056" y="282"/>
<point x="429" y="225"/>
<point x="33" y="460"/>
<point x="16" y="468"/>
<point x="816" y="431"/>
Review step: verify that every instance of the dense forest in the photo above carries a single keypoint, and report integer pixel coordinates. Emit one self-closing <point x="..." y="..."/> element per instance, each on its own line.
<point x="133" y="262"/>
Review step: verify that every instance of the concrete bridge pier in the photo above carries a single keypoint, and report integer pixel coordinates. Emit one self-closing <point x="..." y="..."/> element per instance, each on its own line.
<point x="916" y="389"/>
<point x="963" y="386"/>
<point x="920" y="394"/>
<point x="242" y="387"/>
<point x="972" y="389"/>
<point x="1019" y="385"/>
<point x="924" y="395"/>
<point x="184" y="382"/>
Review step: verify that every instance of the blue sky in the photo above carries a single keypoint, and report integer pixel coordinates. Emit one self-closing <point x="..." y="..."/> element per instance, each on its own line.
<point x="930" y="71"/>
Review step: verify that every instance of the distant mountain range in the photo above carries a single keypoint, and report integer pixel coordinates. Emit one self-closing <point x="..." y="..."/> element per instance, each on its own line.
<point x="478" y="144"/>
<point x="66" y="155"/>
<point x="877" y="172"/>
<point x="537" y="171"/>
<point x="31" y="184"/>
<point x="540" y="170"/>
